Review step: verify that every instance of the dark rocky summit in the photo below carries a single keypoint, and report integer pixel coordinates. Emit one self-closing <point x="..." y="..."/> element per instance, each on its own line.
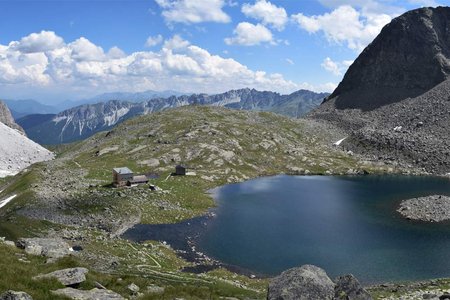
<point x="394" y="101"/>
<point x="309" y="282"/>
<point x="409" y="57"/>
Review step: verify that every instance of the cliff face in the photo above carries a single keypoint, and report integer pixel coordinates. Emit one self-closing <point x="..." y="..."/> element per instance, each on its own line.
<point x="394" y="101"/>
<point x="7" y="119"/>
<point x="410" y="56"/>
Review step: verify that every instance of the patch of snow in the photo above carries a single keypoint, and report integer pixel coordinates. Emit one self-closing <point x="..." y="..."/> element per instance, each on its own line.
<point x="7" y="200"/>
<point x="227" y="101"/>
<point x="59" y="119"/>
<point x="339" y="142"/>
<point x="113" y="118"/>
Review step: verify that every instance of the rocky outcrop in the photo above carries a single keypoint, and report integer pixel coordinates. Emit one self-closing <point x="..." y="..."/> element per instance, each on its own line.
<point x="305" y="283"/>
<point x="13" y="295"/>
<point x="410" y="56"/>
<point x="348" y="288"/>
<point x="94" y="294"/>
<point x="309" y="282"/>
<point x="7" y="118"/>
<point x="48" y="247"/>
<point x="18" y="152"/>
<point x="394" y="100"/>
<point x="67" y="277"/>
<point x="435" y="208"/>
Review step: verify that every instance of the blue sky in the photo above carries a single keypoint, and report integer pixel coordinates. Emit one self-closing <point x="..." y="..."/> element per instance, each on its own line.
<point x="58" y="50"/>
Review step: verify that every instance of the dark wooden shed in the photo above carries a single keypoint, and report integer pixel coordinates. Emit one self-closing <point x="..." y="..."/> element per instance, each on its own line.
<point x="180" y="170"/>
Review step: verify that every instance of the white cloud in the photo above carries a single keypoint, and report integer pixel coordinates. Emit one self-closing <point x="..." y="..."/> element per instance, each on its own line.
<point x="247" y="34"/>
<point x="154" y="40"/>
<point x="193" y="11"/>
<point x="84" y="50"/>
<point x="328" y="87"/>
<point x="115" y="52"/>
<point x="345" y="25"/>
<point x="331" y="66"/>
<point x="424" y="2"/>
<point x="290" y="61"/>
<point x="176" y="42"/>
<point x="267" y="13"/>
<point x="368" y="6"/>
<point x="336" y="68"/>
<point x="81" y="68"/>
<point x="38" y="42"/>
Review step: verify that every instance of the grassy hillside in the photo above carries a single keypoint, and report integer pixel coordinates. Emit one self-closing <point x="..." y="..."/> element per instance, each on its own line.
<point x="72" y="197"/>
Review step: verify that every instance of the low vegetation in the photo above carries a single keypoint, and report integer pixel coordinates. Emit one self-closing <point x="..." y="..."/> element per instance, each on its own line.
<point x="72" y="197"/>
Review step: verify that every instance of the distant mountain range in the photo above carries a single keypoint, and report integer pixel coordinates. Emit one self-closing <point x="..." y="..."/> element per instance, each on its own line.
<point x="122" y="96"/>
<point x="21" y="108"/>
<point x="83" y="121"/>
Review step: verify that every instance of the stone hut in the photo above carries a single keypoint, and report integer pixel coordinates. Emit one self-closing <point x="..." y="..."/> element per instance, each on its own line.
<point x="121" y="176"/>
<point x="140" y="179"/>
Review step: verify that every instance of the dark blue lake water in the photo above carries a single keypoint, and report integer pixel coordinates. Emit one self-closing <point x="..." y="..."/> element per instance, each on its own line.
<point x="342" y="224"/>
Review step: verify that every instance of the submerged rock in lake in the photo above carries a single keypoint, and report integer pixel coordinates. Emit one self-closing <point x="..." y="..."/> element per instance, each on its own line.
<point x="309" y="282"/>
<point x="435" y="208"/>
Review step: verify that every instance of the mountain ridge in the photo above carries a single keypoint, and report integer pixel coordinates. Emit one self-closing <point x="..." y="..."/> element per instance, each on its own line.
<point x="82" y="121"/>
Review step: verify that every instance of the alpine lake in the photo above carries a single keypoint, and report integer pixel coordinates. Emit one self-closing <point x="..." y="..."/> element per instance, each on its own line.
<point x="343" y="224"/>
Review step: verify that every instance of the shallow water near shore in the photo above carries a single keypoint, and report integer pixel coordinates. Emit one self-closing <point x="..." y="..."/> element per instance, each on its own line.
<point x="343" y="224"/>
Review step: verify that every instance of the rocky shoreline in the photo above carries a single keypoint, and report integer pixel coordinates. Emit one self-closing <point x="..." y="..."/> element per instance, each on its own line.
<point x="435" y="208"/>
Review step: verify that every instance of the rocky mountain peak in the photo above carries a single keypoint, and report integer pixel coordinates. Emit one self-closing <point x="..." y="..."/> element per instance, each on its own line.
<point x="410" y="56"/>
<point x="7" y="118"/>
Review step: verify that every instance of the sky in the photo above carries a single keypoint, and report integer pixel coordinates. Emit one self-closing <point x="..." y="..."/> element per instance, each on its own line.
<point x="58" y="50"/>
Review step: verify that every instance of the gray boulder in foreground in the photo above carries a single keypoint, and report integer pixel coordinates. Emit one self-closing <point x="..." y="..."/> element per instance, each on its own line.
<point x="13" y="295"/>
<point x="68" y="277"/>
<point x="307" y="282"/>
<point x="48" y="247"/>
<point x="94" y="294"/>
<point x="348" y="288"/>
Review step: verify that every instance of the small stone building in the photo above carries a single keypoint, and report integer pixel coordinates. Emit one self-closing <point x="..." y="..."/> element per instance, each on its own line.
<point x="180" y="170"/>
<point x="121" y="176"/>
<point x="139" y="179"/>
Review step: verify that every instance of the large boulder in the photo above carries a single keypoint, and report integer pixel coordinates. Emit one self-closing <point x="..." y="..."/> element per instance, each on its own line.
<point x="68" y="277"/>
<point x="48" y="247"/>
<point x="94" y="294"/>
<point x="348" y="288"/>
<point x="13" y="295"/>
<point x="307" y="282"/>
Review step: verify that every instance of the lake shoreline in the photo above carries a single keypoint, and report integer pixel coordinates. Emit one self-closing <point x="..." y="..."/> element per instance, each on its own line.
<point x="199" y="258"/>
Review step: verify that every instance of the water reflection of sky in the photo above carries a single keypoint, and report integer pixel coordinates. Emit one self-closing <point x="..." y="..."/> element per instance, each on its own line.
<point x="345" y="224"/>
